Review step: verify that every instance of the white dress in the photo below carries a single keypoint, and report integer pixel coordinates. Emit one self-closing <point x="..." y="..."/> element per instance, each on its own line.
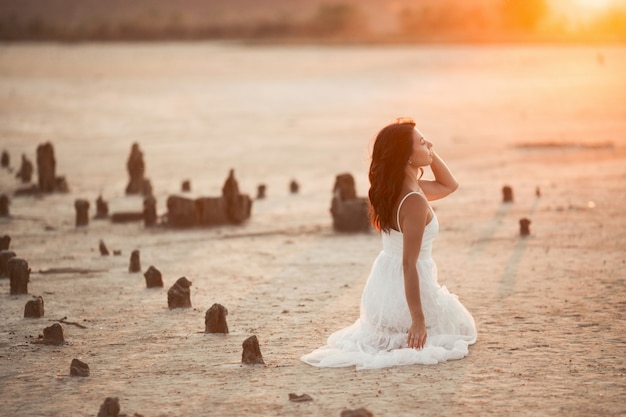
<point x="378" y="339"/>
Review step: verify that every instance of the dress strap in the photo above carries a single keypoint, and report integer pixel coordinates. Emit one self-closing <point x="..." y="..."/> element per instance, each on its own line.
<point x="399" y="206"/>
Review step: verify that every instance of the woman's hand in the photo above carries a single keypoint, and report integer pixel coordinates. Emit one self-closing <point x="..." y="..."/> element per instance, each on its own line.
<point x="417" y="334"/>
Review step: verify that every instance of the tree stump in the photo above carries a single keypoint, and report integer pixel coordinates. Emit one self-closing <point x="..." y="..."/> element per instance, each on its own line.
<point x="79" y="368"/>
<point x="5" y="242"/>
<point x="524" y="227"/>
<point x="110" y="407"/>
<point x="136" y="170"/>
<point x="350" y="213"/>
<point x="507" y="194"/>
<point x="5" y="161"/>
<point x="179" y="295"/>
<point x="126" y="216"/>
<point x="46" y="168"/>
<point x="4" y="205"/>
<point x="294" y="187"/>
<point x="251" y="354"/>
<point x="146" y="189"/>
<point x="53" y="335"/>
<point x="359" y="412"/>
<point x="19" y="274"/>
<point x="185" y="187"/>
<point x="82" y="212"/>
<point x="34" y="308"/>
<point x="230" y="192"/>
<point x="181" y="212"/>
<point x="25" y="173"/>
<point x="61" y="185"/>
<point x="5" y="255"/>
<point x="102" y="208"/>
<point x="104" y="251"/>
<point x="135" y="265"/>
<point x="149" y="211"/>
<point x="211" y="211"/>
<point x="153" y="277"/>
<point x="215" y="319"/>
<point x="260" y="192"/>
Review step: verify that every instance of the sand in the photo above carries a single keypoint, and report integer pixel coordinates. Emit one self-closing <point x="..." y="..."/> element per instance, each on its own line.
<point x="549" y="308"/>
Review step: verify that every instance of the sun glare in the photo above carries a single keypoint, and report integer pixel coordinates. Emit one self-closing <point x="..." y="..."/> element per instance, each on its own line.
<point x="593" y="5"/>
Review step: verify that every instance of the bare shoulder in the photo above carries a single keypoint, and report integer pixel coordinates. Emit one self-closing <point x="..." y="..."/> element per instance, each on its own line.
<point x="414" y="211"/>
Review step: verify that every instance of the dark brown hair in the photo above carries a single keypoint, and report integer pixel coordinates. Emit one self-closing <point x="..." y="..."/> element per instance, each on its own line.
<point x="392" y="148"/>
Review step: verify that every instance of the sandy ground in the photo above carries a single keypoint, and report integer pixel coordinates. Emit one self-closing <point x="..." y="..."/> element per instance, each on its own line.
<point x="549" y="308"/>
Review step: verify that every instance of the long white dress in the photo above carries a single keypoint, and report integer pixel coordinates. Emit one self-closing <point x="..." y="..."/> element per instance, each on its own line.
<point x="378" y="339"/>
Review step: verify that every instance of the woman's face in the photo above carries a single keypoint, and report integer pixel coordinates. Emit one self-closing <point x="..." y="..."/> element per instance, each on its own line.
<point x="422" y="154"/>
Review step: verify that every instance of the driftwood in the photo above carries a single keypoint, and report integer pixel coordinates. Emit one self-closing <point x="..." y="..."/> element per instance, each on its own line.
<point x="215" y="319"/>
<point x="34" y="308"/>
<point x="251" y="354"/>
<point x="299" y="398"/>
<point x="19" y="274"/>
<point x="359" y="412"/>
<point x="350" y="213"/>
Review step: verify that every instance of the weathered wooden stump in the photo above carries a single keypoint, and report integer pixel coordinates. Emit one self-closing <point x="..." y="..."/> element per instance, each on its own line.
<point x="53" y="335"/>
<point x="82" y="212"/>
<point x="25" y="173"/>
<point x="294" y="187"/>
<point x="251" y="354"/>
<point x="19" y="274"/>
<point x="102" y="208"/>
<point x="185" y="186"/>
<point x="61" y="185"/>
<point x="211" y="211"/>
<point x="46" y="168"/>
<point x="136" y="170"/>
<point x="238" y="206"/>
<point x="524" y="227"/>
<point x="181" y="212"/>
<point x="110" y="407"/>
<point x="153" y="277"/>
<point x="260" y="191"/>
<point x="350" y="213"/>
<point x="5" y="242"/>
<point x="34" y="308"/>
<point x="149" y="211"/>
<point x="4" y="205"/>
<point x="537" y="192"/>
<point x="104" y="251"/>
<point x="135" y="265"/>
<point x="179" y="295"/>
<point x="5" y="255"/>
<point x="79" y="368"/>
<point x="146" y="190"/>
<point x="345" y="187"/>
<point x="507" y="194"/>
<point x="215" y="319"/>
<point x="5" y="160"/>
<point x="359" y="412"/>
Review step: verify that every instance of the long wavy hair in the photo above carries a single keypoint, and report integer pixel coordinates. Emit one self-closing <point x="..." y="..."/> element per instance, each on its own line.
<point x="391" y="151"/>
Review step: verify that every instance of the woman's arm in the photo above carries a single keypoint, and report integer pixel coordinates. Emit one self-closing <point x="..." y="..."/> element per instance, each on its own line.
<point x="444" y="182"/>
<point x="413" y="220"/>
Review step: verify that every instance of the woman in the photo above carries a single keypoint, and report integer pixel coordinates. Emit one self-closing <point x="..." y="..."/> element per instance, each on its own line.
<point x="406" y="317"/>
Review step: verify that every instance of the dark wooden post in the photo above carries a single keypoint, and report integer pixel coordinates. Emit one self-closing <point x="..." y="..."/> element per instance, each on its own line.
<point x="251" y="354"/>
<point x="135" y="265"/>
<point x="507" y="194"/>
<point x="5" y="255"/>
<point x="153" y="277"/>
<point x="82" y="212"/>
<point x="4" y="205"/>
<point x="19" y="274"/>
<point x="46" y="167"/>
<point x="34" y="308"/>
<point x="179" y="295"/>
<point x="215" y="319"/>
<point x="149" y="211"/>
